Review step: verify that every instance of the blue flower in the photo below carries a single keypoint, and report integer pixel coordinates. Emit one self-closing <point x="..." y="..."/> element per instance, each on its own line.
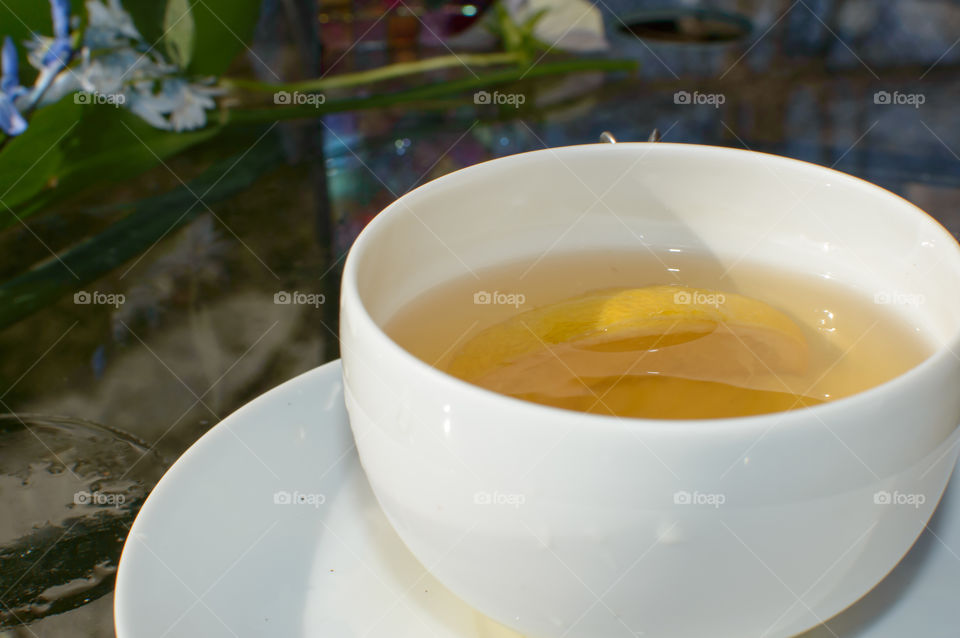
<point x="109" y="25"/>
<point x="184" y="104"/>
<point x="50" y="55"/>
<point x="191" y="104"/>
<point x="58" y="55"/>
<point x="11" y="122"/>
<point x="114" y="60"/>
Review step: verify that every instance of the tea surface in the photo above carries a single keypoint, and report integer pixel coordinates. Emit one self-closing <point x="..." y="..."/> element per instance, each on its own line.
<point x="659" y="335"/>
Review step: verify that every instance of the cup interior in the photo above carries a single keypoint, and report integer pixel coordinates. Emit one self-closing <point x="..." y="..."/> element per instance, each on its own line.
<point x="723" y="203"/>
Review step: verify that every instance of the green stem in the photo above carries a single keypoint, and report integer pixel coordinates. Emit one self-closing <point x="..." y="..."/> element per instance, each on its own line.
<point x="430" y="91"/>
<point x="387" y="72"/>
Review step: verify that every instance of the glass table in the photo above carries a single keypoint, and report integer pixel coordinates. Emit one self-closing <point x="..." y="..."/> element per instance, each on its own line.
<point x="243" y="294"/>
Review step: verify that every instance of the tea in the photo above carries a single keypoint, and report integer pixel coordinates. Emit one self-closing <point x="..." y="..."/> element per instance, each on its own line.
<point x="660" y="335"/>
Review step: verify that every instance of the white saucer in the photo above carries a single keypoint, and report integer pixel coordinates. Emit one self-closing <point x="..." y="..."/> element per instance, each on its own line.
<point x="212" y="554"/>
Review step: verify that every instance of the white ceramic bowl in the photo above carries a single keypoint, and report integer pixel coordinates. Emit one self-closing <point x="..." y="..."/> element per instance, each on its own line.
<point x="559" y="523"/>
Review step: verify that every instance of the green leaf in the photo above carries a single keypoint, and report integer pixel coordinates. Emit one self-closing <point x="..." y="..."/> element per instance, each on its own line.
<point x="69" y="147"/>
<point x="514" y="37"/>
<point x="179" y="32"/>
<point x="224" y="28"/>
<point x="531" y="22"/>
<point x="148" y="17"/>
<point x="504" y="27"/>
<point x="151" y="220"/>
<point x="29" y="161"/>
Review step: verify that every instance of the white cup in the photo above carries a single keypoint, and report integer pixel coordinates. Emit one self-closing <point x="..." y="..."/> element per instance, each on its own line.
<point x="564" y="524"/>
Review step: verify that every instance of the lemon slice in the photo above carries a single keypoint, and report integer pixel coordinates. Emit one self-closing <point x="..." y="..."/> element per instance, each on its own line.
<point x="609" y="329"/>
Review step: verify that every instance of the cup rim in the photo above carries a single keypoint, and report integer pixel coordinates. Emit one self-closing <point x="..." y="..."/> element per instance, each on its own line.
<point x="350" y="294"/>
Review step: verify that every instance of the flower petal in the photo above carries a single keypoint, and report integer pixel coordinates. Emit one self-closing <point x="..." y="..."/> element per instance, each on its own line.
<point x="58" y="55"/>
<point x="194" y="101"/>
<point x="11" y="122"/>
<point x="9" y="66"/>
<point x="567" y="25"/>
<point x="108" y="25"/>
<point x="143" y="105"/>
<point x="60" y="10"/>
<point x="64" y="84"/>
